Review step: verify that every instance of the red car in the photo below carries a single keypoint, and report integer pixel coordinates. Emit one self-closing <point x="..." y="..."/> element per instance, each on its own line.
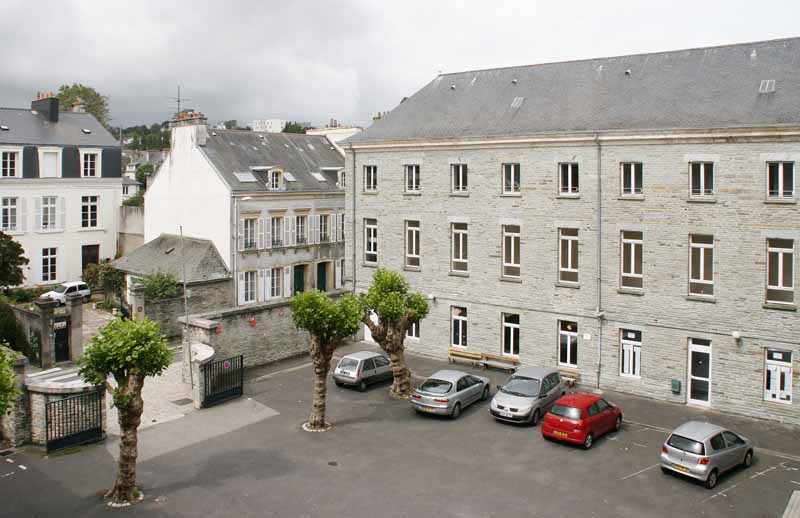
<point x="580" y="418"/>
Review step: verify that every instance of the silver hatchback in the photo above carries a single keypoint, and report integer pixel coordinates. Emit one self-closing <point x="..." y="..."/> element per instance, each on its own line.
<point x="527" y="395"/>
<point x="704" y="451"/>
<point x="362" y="369"/>
<point x="448" y="392"/>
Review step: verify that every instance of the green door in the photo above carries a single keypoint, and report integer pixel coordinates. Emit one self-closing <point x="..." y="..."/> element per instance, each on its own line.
<point x="321" y="276"/>
<point x="299" y="278"/>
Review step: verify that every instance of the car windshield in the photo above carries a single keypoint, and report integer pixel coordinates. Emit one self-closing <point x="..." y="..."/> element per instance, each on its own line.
<point x="348" y="363"/>
<point x="687" y="445"/>
<point x="568" y="412"/>
<point x="60" y="289"/>
<point x="521" y="386"/>
<point x="435" y="386"/>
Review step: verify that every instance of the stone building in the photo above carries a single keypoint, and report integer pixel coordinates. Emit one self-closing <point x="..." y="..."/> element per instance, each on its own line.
<point x="632" y="220"/>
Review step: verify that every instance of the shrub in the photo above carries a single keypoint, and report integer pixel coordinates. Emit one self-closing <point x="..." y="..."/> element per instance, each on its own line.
<point x="23" y="295"/>
<point x="137" y="200"/>
<point x="104" y="276"/>
<point x="12" y="333"/>
<point x="8" y="385"/>
<point x="160" y="285"/>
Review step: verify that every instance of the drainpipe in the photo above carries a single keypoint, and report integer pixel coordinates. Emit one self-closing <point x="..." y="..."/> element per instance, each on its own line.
<point x="599" y="314"/>
<point x="353" y="231"/>
<point x="234" y="215"/>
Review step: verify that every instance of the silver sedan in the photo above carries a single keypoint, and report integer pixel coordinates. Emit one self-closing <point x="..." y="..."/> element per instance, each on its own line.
<point x="448" y="392"/>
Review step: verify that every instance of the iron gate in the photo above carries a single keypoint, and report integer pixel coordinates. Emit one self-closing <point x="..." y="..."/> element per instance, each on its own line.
<point x="74" y="420"/>
<point x="223" y="380"/>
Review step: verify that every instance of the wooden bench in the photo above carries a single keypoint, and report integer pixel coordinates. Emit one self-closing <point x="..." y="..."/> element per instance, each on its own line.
<point x="570" y="377"/>
<point x="457" y="354"/>
<point x="499" y="361"/>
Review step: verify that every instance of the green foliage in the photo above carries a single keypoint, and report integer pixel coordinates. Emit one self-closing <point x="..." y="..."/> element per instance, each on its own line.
<point x="96" y="104"/>
<point x="11" y="332"/>
<point x="8" y="385"/>
<point x="143" y="171"/>
<point x="231" y="124"/>
<point x="389" y="297"/>
<point x="104" y="276"/>
<point x="160" y="285"/>
<point x="321" y="316"/>
<point x="293" y="127"/>
<point x="22" y="295"/>
<point x="137" y="200"/>
<point x="12" y="259"/>
<point x="146" y="137"/>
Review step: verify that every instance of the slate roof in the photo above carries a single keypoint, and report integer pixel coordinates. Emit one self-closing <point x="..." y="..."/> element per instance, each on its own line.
<point x="203" y="262"/>
<point x="714" y="87"/>
<point x="27" y="127"/>
<point x="233" y="151"/>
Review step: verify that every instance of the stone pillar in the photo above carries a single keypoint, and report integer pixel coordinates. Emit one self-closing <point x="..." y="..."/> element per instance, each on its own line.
<point x="199" y="331"/>
<point x="15" y="424"/>
<point x="201" y="354"/>
<point x="75" y="308"/>
<point x="136" y="300"/>
<point x="48" y="345"/>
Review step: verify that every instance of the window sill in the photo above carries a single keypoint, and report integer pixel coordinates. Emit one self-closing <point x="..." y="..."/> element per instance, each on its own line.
<point x="779" y="306"/>
<point x="701" y="298"/>
<point x="631" y="377"/>
<point x="781" y="201"/>
<point x="453" y="273"/>
<point x="631" y="291"/>
<point x="515" y="280"/>
<point x="91" y="229"/>
<point x="572" y="285"/>
<point x="460" y="194"/>
<point x="369" y="265"/>
<point x="412" y="268"/>
<point x="631" y="197"/>
<point x="511" y="195"/>
<point x="572" y="369"/>
<point x="777" y="402"/>
<point x="13" y="232"/>
<point x="568" y="196"/>
<point x="701" y="199"/>
<point x="412" y="193"/>
<point x="50" y="231"/>
<point x="370" y="192"/>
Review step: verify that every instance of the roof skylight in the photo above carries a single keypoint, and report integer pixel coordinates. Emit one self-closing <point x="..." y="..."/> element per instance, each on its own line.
<point x="318" y="176"/>
<point x="245" y="177"/>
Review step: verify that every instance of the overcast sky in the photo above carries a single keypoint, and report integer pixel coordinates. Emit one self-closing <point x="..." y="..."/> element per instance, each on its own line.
<point x="311" y="61"/>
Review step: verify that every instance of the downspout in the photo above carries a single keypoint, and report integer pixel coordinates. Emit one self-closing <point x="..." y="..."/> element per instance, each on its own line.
<point x="600" y="315"/>
<point x="353" y="231"/>
<point x="235" y="221"/>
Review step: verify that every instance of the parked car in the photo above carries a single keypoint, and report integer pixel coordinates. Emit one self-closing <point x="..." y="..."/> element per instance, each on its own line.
<point x="60" y="293"/>
<point x="362" y="369"/>
<point x="527" y="395"/>
<point x="580" y="418"/>
<point x="704" y="451"/>
<point x="448" y="392"/>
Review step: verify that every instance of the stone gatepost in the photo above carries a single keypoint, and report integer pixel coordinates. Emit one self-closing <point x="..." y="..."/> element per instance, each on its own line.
<point x="75" y="308"/>
<point x="201" y="355"/>
<point x="48" y="344"/>
<point x="199" y="330"/>
<point x="136" y="300"/>
<point x="15" y="429"/>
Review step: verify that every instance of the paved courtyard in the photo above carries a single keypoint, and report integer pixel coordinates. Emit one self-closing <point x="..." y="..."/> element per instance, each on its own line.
<point x="250" y="458"/>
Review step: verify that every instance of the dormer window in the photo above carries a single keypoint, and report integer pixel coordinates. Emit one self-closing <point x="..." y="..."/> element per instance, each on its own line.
<point x="275" y="180"/>
<point x="11" y="163"/>
<point x="90" y="163"/>
<point x="342" y="179"/>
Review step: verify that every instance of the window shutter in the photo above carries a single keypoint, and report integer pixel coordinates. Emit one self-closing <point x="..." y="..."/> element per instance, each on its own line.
<point x="240" y="277"/>
<point x="260" y="287"/>
<point x="261" y="243"/>
<point x="22" y="222"/>
<point x="337" y="275"/>
<point x="240" y="236"/>
<point x="341" y="227"/>
<point x="62" y="213"/>
<point x="287" y="231"/>
<point x="38" y="216"/>
<point x="287" y="280"/>
<point x="267" y="283"/>
<point x="268" y="232"/>
<point x="312" y="229"/>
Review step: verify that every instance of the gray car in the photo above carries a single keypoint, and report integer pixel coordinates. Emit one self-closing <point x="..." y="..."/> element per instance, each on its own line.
<point x="361" y="369"/>
<point x="527" y="395"/>
<point x="448" y="392"/>
<point x="704" y="451"/>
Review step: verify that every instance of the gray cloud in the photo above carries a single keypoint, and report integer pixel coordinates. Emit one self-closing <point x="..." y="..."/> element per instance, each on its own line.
<point x="344" y="59"/>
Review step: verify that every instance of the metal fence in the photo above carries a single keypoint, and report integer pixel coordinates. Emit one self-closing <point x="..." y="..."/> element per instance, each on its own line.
<point x="74" y="420"/>
<point x="223" y="379"/>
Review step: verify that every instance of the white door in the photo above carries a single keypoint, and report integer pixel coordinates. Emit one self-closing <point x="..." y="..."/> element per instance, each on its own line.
<point x="778" y="376"/>
<point x="699" y="372"/>
<point x="367" y="333"/>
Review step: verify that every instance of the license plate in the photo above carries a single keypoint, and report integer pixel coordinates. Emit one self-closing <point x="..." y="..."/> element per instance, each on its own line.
<point x="681" y="468"/>
<point x="505" y="414"/>
<point x="560" y="434"/>
<point x="428" y="408"/>
<point x="345" y="373"/>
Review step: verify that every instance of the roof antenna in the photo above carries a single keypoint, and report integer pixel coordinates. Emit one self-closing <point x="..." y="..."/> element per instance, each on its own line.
<point x="178" y="99"/>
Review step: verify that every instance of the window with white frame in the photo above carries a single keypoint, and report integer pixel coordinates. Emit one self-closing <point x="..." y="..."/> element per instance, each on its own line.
<point x="778" y="376"/>
<point x="342" y="179"/>
<point x="568" y="255"/>
<point x="511" y="242"/>
<point x="90" y="162"/>
<point x="250" y="233"/>
<point x="275" y="287"/>
<point x="780" y="180"/>
<point x="50" y="163"/>
<point x="567" y="343"/>
<point x="49" y="271"/>
<point x="9" y="221"/>
<point x="412" y="177"/>
<point x="371" y="241"/>
<point x="276" y="230"/>
<point x="413" y="330"/>
<point x="458" y="174"/>
<point x="250" y="286"/>
<point x="701" y="178"/>
<point x="274" y="180"/>
<point x="9" y="164"/>
<point x="511" y="179"/>
<point x="510" y="334"/>
<point x="300" y="229"/>
<point x="324" y="228"/>
<point x="412" y="244"/>
<point x="631" y="263"/>
<point x="630" y="354"/>
<point x="568" y="178"/>
<point x="48" y="215"/>
<point x="459" y="257"/>
<point x="780" y="271"/>
<point x="458" y="319"/>
<point x="370" y="178"/>
<point x="701" y="265"/>
<point x="632" y="178"/>
<point x="89" y="211"/>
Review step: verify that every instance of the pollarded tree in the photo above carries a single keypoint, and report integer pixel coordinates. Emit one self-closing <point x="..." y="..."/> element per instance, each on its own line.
<point x="330" y="324"/>
<point x="397" y="309"/>
<point x="130" y="351"/>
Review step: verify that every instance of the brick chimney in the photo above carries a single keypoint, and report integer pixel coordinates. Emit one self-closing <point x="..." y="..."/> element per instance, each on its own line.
<point x="46" y="103"/>
<point x="191" y="120"/>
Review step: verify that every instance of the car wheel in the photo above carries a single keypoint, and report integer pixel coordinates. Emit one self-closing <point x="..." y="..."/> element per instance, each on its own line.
<point x="664" y="470"/>
<point x="711" y="481"/>
<point x="485" y="394"/>
<point x="456" y="411"/>
<point x="338" y="383"/>
<point x="588" y="441"/>
<point x="748" y="459"/>
<point x="86" y="299"/>
<point x="362" y="386"/>
<point x="618" y="423"/>
<point x="534" y="418"/>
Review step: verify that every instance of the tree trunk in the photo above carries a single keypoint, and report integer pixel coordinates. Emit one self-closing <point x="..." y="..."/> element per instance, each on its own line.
<point x="401" y="386"/>
<point x="129" y="411"/>
<point x="321" y="358"/>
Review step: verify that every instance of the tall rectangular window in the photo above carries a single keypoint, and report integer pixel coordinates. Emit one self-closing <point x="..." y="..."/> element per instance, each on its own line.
<point x="701" y="178"/>
<point x="300" y="229"/>
<point x="49" y="271"/>
<point x="90" y="164"/>
<point x="9" y="161"/>
<point x="568" y="178"/>
<point x="274" y="180"/>
<point x="276" y="230"/>
<point x="370" y="178"/>
<point x="8" y="217"/>
<point x="511" y="242"/>
<point x="412" y="244"/>
<point x="568" y="255"/>
<point x="250" y="233"/>
<point x="701" y="265"/>
<point x="250" y="286"/>
<point x="510" y="334"/>
<point x="778" y="376"/>
<point x="630" y="352"/>
<point x="49" y="212"/>
<point x="458" y="174"/>
<point x="458" y="320"/>
<point x="371" y="241"/>
<point x="324" y="228"/>
<point x="412" y="178"/>
<point x="631" y="251"/>
<point x="88" y="211"/>
<point x="632" y="178"/>
<point x="567" y="343"/>
<point x="275" y="287"/>
<point x="413" y="330"/>
<point x="780" y="179"/>
<point x="459" y="260"/>
<point x="780" y="271"/>
<point x="511" y="179"/>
